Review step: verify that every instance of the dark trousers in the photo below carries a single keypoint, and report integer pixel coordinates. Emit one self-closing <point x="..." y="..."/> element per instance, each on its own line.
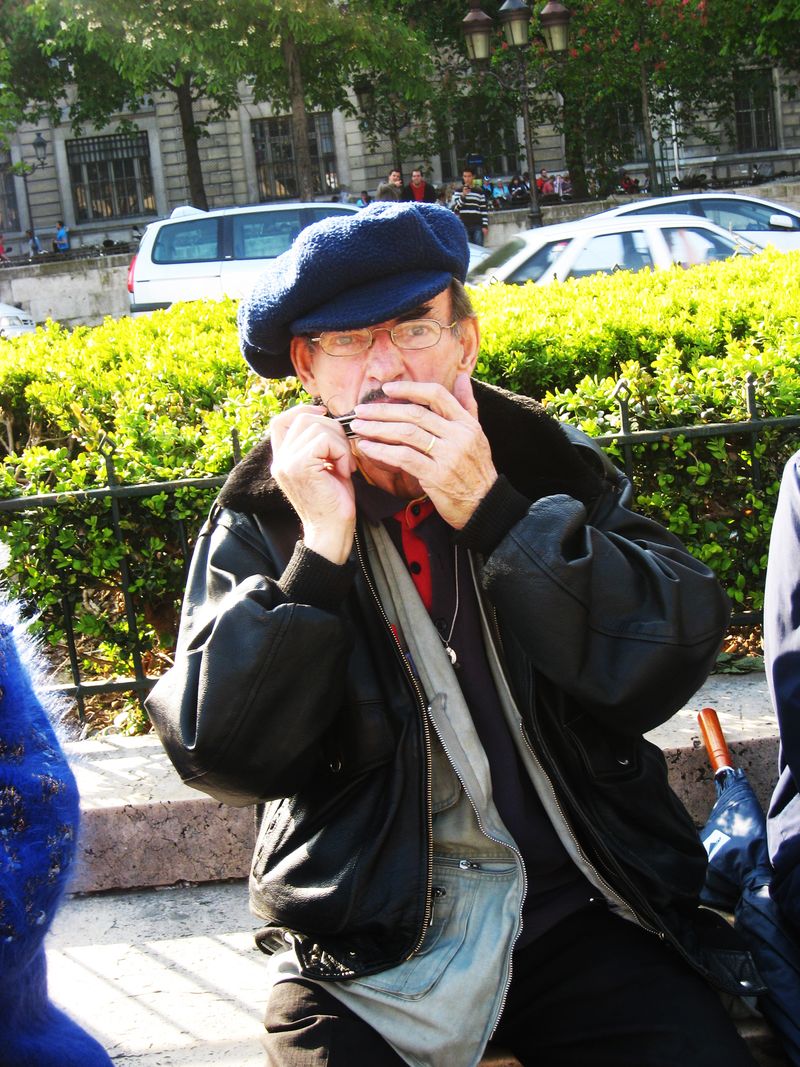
<point x="596" y="991"/>
<point x="475" y="234"/>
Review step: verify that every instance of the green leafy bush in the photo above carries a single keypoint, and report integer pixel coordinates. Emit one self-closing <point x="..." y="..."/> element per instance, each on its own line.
<point x="160" y="398"/>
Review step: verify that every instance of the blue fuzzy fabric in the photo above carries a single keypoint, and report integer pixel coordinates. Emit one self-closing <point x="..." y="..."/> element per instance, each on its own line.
<point x="39" y="812"/>
<point x="348" y="271"/>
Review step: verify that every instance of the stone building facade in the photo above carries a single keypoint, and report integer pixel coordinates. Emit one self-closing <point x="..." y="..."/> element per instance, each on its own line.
<point x="105" y="185"/>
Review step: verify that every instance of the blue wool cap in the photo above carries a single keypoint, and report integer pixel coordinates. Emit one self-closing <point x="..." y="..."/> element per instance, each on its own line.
<point x="348" y="271"/>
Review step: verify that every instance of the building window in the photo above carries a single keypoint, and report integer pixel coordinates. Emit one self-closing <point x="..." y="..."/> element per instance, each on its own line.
<point x="110" y="177"/>
<point x="631" y="132"/>
<point x="275" y="156"/>
<point x="755" y="112"/>
<point x="9" y="213"/>
<point x="497" y="152"/>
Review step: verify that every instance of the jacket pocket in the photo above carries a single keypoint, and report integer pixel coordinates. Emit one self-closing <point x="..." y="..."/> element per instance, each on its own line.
<point x="622" y="782"/>
<point x="453" y="899"/>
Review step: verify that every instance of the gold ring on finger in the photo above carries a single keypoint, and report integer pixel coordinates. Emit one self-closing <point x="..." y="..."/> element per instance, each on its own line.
<point x="431" y="443"/>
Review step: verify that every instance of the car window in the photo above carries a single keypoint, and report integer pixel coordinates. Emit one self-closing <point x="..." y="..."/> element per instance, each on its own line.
<point x="535" y="266"/>
<point x="497" y="258"/>
<point x="689" y="245"/>
<point x="192" y="241"/>
<point x="674" y="207"/>
<point x="608" y="252"/>
<point x="269" y="233"/>
<point x="741" y="215"/>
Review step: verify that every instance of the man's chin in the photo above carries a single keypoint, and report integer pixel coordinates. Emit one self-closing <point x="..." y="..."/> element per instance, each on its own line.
<point x="390" y="479"/>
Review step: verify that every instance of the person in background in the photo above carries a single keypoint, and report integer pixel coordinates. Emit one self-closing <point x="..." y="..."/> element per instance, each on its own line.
<point x="782" y="661"/>
<point x="471" y="206"/>
<point x="34" y="244"/>
<point x="3" y="250"/>
<point x="61" y="242"/>
<point x="364" y="199"/>
<point x="544" y="183"/>
<point x="423" y="626"/>
<point x="392" y="188"/>
<point x="418" y="190"/>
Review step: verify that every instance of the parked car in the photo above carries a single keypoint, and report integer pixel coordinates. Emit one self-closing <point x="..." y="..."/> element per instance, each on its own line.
<point x="477" y="254"/>
<point x="761" y="221"/>
<point x="603" y="245"/>
<point x="14" y="321"/>
<point x="197" y="255"/>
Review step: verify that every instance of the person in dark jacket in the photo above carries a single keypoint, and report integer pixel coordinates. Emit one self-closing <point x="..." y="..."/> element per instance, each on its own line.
<point x="418" y="190"/>
<point x="425" y="630"/>
<point x="782" y="655"/>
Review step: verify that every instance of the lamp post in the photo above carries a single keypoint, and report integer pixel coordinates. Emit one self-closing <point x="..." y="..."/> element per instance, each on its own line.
<point x="40" y="151"/>
<point x="515" y="17"/>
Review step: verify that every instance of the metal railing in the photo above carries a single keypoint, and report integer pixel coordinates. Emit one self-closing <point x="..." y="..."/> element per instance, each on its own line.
<point x="81" y="687"/>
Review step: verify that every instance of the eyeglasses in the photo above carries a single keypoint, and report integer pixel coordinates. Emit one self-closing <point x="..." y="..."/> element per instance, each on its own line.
<point x="410" y="336"/>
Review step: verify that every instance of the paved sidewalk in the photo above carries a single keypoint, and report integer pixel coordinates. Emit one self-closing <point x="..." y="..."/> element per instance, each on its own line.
<point x="163" y="976"/>
<point x="172" y="978"/>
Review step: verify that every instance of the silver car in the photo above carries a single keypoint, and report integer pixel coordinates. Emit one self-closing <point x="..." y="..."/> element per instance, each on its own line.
<point x="14" y="321"/>
<point x="603" y="245"/>
<point x="761" y="221"/>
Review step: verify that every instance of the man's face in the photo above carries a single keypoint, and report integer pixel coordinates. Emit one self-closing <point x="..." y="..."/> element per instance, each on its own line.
<point x="467" y="176"/>
<point x="344" y="381"/>
<point x="416" y="177"/>
<point x="395" y="178"/>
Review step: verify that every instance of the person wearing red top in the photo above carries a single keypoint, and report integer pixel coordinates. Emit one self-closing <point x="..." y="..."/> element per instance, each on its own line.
<point x="418" y="189"/>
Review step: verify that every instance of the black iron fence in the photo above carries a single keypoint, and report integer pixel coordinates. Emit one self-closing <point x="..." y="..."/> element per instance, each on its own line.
<point x="80" y="686"/>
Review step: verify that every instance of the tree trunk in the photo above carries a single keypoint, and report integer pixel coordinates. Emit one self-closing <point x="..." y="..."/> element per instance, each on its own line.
<point x="575" y="149"/>
<point x="302" y="155"/>
<point x="194" y="171"/>
<point x="647" y="130"/>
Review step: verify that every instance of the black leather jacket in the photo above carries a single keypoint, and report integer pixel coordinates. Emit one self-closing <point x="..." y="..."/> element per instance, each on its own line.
<point x="288" y="688"/>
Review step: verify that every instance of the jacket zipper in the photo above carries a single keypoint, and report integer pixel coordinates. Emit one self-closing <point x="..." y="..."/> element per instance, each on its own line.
<point x="426" y="733"/>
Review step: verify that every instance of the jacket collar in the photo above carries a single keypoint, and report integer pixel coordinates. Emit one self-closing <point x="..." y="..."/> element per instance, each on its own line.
<point x="528" y="446"/>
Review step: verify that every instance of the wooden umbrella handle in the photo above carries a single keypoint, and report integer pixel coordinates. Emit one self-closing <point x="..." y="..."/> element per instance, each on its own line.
<point x="713" y="738"/>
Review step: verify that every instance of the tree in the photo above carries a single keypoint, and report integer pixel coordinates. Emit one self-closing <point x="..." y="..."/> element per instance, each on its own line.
<point x="300" y="54"/>
<point x="673" y="62"/>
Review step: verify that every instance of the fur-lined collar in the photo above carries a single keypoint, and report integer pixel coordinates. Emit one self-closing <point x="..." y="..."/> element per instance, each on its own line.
<point x="528" y="446"/>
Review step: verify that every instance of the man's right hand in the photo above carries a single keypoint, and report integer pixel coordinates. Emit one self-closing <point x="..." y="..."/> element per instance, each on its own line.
<point x="313" y="464"/>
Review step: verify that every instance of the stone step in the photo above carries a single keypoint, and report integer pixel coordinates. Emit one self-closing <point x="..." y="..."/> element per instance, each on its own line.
<point x="142" y="827"/>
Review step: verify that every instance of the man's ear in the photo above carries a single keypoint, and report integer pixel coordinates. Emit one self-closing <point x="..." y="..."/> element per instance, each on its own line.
<point x="300" y="355"/>
<point x="470" y="341"/>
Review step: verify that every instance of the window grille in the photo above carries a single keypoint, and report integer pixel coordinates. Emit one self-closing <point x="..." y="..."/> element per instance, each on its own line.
<point x="111" y="177"/>
<point x="9" y="212"/>
<point x="755" y="112"/>
<point x="275" y="156"/>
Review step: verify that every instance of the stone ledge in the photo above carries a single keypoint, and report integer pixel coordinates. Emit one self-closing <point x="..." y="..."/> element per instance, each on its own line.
<point x="142" y="827"/>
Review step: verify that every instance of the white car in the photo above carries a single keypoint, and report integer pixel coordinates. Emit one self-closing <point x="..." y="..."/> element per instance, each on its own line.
<point x="207" y="255"/>
<point x="14" y="321"/>
<point x="761" y="221"/>
<point x="603" y="245"/>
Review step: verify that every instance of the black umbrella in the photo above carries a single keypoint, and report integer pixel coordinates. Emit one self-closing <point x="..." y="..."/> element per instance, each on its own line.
<point x="738" y="878"/>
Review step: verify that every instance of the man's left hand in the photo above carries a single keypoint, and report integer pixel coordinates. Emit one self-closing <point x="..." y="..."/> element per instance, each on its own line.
<point x="433" y="435"/>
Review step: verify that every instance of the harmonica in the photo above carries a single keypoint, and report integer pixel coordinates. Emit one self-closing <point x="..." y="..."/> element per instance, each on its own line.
<point x="344" y="421"/>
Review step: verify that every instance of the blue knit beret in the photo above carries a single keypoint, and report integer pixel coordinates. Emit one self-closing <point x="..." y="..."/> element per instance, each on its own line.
<point x="348" y="271"/>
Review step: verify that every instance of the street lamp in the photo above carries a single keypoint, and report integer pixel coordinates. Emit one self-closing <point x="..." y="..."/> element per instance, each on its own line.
<point x="515" y="18"/>
<point x="40" y="151"/>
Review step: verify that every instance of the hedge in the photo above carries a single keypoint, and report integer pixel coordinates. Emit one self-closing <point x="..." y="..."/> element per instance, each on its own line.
<point x="167" y="391"/>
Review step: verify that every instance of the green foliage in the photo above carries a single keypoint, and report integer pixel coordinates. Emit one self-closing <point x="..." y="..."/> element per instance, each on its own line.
<point x="685" y="343"/>
<point x="160" y="397"/>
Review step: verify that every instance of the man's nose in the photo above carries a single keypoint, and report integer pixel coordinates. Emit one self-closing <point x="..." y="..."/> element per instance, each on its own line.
<point x="384" y="358"/>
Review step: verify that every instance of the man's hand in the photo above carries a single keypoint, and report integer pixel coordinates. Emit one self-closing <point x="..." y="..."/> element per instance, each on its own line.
<point x="313" y="464"/>
<point x="434" y="436"/>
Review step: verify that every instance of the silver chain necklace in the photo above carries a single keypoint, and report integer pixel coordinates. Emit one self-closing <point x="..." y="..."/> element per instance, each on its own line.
<point x="446" y="641"/>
